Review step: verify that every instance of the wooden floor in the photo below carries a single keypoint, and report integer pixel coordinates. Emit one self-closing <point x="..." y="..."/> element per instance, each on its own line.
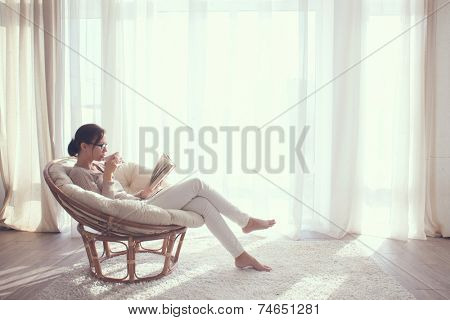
<point x="30" y="261"/>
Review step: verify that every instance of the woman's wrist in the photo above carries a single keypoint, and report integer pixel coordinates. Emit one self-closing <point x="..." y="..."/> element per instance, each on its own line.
<point x="107" y="176"/>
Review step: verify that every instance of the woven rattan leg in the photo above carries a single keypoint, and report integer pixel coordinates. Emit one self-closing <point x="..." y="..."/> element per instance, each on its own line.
<point x="88" y="250"/>
<point x="168" y="260"/>
<point x="164" y="246"/>
<point x="180" y="243"/>
<point x="94" y="256"/>
<point x="131" y="259"/>
<point x="106" y="249"/>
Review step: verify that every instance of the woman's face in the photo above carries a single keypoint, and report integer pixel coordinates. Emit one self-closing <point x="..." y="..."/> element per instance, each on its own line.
<point x="96" y="151"/>
<point x="100" y="150"/>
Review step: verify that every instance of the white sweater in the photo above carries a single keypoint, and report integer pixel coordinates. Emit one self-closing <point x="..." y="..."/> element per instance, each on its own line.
<point x="93" y="181"/>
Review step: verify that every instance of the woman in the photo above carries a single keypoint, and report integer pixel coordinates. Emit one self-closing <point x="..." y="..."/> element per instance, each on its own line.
<point x="89" y="145"/>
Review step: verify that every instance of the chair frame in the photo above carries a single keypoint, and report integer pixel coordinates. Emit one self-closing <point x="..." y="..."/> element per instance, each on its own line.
<point x="109" y="229"/>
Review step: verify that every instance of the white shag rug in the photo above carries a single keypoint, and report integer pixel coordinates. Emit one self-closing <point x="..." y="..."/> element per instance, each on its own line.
<point x="302" y="270"/>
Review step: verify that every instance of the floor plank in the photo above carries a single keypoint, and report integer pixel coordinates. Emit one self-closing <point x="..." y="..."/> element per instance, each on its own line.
<point x="423" y="294"/>
<point x="445" y="293"/>
<point x="46" y="255"/>
<point x="429" y="274"/>
<point x="406" y="279"/>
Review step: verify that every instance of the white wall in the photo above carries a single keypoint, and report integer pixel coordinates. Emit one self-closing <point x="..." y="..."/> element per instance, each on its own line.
<point x="440" y="150"/>
<point x="2" y="192"/>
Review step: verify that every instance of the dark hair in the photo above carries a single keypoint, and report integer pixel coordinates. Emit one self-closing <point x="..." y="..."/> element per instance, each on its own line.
<point x="88" y="133"/>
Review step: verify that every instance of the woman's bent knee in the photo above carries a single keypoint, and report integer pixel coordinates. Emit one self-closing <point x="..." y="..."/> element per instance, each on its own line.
<point x="201" y="206"/>
<point x="195" y="183"/>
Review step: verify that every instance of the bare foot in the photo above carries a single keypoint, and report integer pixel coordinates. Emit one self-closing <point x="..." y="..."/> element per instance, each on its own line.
<point x="257" y="224"/>
<point x="245" y="261"/>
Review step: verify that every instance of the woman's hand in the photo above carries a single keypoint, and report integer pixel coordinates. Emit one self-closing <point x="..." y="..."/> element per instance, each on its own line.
<point x="115" y="155"/>
<point x="148" y="192"/>
<point x="111" y="164"/>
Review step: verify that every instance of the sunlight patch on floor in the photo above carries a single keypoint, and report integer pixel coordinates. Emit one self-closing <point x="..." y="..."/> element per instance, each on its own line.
<point x="321" y="287"/>
<point x="355" y="249"/>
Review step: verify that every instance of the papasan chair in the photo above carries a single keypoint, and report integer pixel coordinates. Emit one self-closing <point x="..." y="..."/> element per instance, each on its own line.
<point x="130" y="224"/>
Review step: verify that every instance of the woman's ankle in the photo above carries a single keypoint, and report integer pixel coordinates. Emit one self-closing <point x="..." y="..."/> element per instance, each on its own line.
<point x="257" y="224"/>
<point x="245" y="260"/>
<point x="244" y="254"/>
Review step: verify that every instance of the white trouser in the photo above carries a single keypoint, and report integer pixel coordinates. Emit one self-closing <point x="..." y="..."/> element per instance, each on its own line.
<point x="195" y="195"/>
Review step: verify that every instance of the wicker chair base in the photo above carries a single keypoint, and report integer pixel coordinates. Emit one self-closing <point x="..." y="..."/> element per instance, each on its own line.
<point x="133" y="245"/>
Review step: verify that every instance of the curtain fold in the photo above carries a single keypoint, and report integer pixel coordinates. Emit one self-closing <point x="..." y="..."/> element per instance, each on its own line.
<point x="28" y="115"/>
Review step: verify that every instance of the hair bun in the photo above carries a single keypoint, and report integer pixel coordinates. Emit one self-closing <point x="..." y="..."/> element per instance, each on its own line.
<point x="72" y="148"/>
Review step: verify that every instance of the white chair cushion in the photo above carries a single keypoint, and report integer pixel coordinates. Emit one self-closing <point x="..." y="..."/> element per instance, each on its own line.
<point x="132" y="177"/>
<point x="132" y="210"/>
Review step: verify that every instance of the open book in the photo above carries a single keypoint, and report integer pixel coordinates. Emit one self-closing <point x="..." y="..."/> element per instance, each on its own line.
<point x="162" y="169"/>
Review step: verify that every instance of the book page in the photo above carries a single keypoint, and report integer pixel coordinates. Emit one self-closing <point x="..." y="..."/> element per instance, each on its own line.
<point x="162" y="169"/>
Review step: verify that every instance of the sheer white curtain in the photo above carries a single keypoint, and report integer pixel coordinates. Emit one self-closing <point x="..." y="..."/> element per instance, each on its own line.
<point x="29" y="97"/>
<point x="367" y="126"/>
<point x="230" y="65"/>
